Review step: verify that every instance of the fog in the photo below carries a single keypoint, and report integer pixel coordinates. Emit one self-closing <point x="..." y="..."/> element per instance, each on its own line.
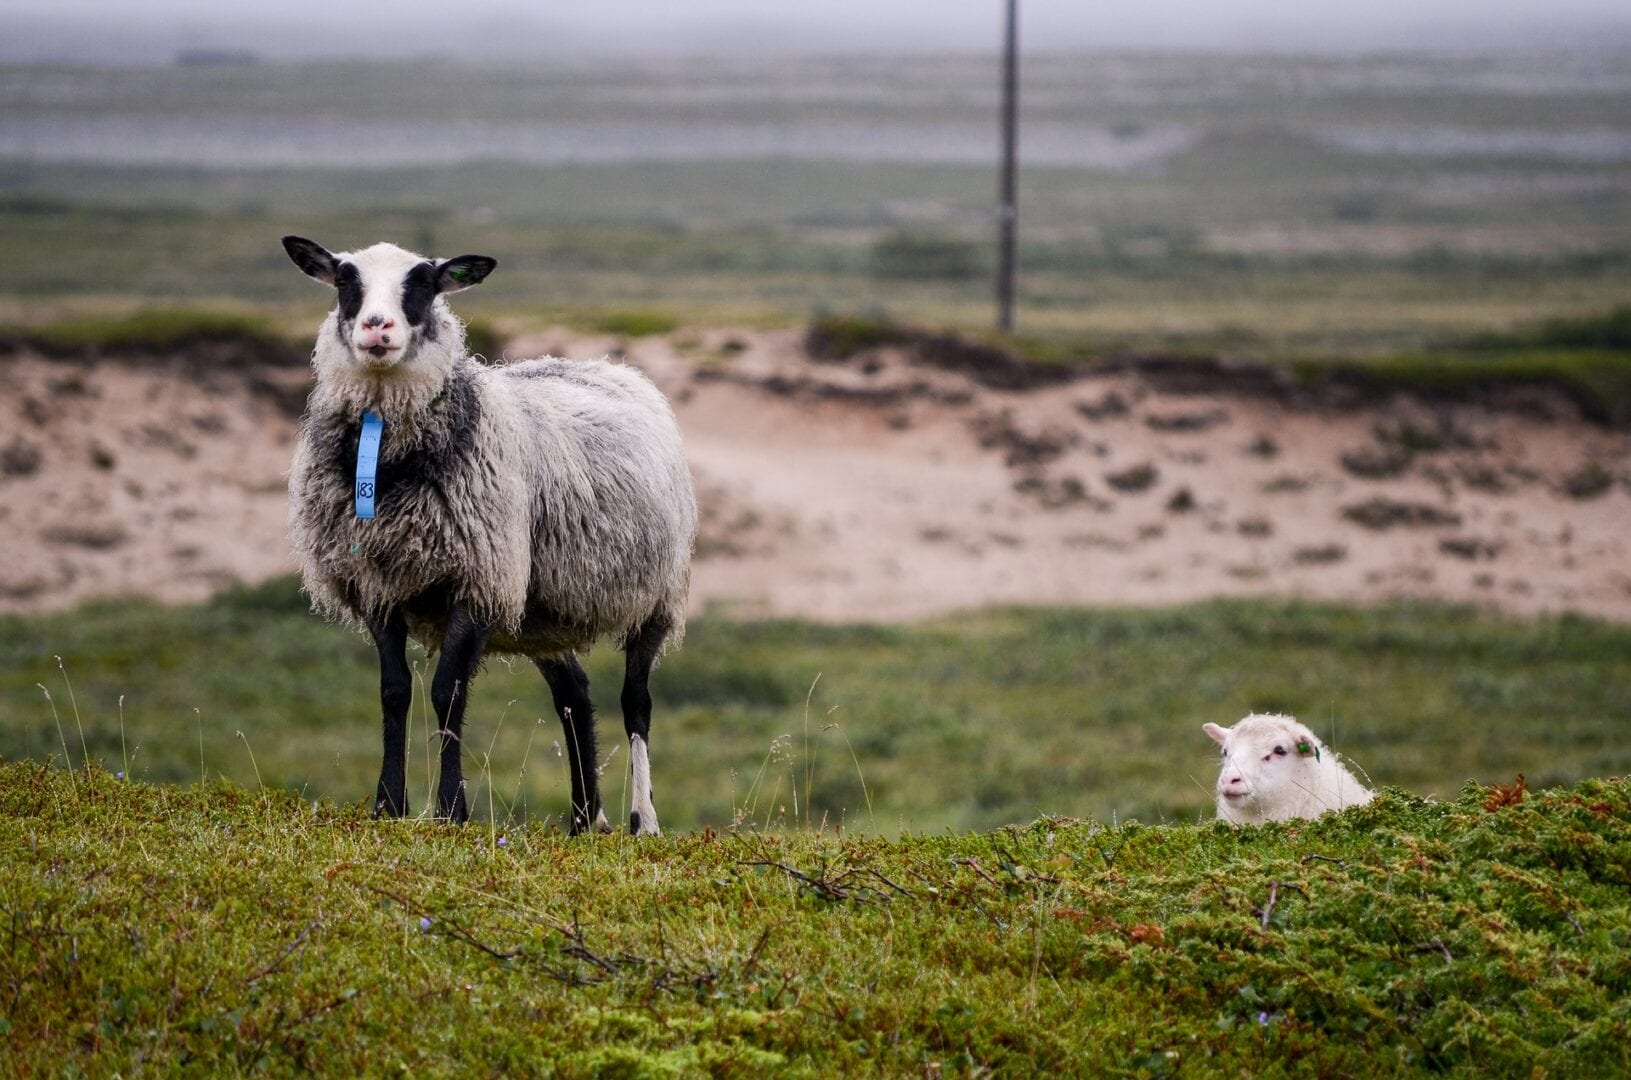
<point x="97" y="30"/>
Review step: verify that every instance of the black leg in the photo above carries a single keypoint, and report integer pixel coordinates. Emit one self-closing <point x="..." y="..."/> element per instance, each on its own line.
<point x="462" y="645"/>
<point x="569" y="687"/>
<point x="640" y="653"/>
<point x="395" y="695"/>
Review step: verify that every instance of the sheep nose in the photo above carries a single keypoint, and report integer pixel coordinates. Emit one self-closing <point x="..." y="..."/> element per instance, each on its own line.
<point x="378" y="322"/>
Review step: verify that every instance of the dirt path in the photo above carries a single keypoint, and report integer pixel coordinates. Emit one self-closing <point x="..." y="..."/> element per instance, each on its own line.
<point x="881" y="488"/>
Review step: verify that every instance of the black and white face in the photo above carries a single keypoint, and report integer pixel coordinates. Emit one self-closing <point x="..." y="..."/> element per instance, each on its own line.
<point x="387" y="296"/>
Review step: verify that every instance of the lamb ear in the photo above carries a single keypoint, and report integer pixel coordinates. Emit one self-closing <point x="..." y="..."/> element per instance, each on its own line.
<point x="1219" y="734"/>
<point x="462" y="272"/>
<point x="314" y="260"/>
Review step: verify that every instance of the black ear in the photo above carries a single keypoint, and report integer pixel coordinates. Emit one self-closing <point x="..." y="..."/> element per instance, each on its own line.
<point x="313" y="258"/>
<point x="462" y="272"/>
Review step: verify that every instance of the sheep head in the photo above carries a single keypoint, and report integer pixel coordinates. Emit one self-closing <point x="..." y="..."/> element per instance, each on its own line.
<point x="1271" y="768"/>
<point x="388" y="299"/>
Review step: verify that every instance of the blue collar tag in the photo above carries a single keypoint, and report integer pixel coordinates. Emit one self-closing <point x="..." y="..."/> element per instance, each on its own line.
<point x="373" y="427"/>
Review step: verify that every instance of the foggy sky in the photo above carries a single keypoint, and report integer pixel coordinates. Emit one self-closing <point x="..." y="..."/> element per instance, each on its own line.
<point x="383" y="29"/>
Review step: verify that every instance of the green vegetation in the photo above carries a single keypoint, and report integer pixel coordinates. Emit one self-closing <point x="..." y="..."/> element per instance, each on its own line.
<point x="1267" y="206"/>
<point x="249" y="338"/>
<point x="967" y="722"/>
<point x="222" y="930"/>
<point x="224" y="906"/>
<point x="1608" y="331"/>
<point x="148" y="330"/>
<point x="634" y="323"/>
<point x="1587" y="357"/>
<point x="1584" y="358"/>
<point x="920" y="256"/>
<point x="1598" y="380"/>
<point x="1275" y="305"/>
<point x="839" y="337"/>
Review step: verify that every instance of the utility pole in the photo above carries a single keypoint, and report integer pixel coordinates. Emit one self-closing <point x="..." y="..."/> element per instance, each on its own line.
<point x="1007" y="211"/>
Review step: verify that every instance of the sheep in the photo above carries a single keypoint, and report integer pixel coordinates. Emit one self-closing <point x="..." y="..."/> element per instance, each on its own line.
<point x="1275" y="768"/>
<point x="528" y="509"/>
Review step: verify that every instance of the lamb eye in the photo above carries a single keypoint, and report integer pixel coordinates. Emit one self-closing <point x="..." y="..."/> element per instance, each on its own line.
<point x="1279" y="751"/>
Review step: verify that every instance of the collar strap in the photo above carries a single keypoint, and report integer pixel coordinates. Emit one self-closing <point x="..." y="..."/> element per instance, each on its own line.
<point x="373" y="428"/>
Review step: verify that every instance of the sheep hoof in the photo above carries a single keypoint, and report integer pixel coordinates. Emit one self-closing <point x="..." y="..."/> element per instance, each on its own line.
<point x="384" y="808"/>
<point x="580" y="825"/>
<point x="644" y="826"/>
<point x="453" y="810"/>
<point x="389" y="804"/>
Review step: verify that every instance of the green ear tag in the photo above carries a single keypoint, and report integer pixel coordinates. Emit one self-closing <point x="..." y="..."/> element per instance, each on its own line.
<point x="1304" y="747"/>
<point x="458" y="273"/>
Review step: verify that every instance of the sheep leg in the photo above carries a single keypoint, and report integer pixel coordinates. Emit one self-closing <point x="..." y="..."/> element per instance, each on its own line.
<point x="640" y="654"/>
<point x="462" y="645"/>
<point x="569" y="687"/>
<point x="395" y="695"/>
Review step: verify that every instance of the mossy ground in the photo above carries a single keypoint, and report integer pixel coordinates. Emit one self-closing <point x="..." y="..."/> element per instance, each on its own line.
<point x="221" y="930"/>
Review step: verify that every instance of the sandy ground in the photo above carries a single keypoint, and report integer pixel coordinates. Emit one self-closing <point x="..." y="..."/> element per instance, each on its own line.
<point x="880" y="488"/>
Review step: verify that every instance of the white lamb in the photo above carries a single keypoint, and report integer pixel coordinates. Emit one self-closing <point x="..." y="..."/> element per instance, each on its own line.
<point x="1275" y="768"/>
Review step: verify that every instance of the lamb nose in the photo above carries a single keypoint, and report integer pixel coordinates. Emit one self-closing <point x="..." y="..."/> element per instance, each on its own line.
<point x="379" y="322"/>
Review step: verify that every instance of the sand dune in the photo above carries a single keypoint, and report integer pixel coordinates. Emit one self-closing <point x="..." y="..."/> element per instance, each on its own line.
<point x="884" y="488"/>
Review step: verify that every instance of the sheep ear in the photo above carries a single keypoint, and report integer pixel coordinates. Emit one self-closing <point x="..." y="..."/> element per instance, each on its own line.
<point x="463" y="272"/>
<point x="1218" y="734"/>
<point x="314" y="260"/>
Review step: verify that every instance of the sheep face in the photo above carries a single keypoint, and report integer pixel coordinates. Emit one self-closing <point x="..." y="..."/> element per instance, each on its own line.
<point x="1266" y="758"/>
<point x="388" y="297"/>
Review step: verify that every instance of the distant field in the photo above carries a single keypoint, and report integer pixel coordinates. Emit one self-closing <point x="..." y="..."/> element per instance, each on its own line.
<point x="960" y="723"/>
<point x="1267" y="205"/>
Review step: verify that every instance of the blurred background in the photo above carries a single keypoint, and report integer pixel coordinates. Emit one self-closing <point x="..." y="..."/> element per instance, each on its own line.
<point x="1429" y="199"/>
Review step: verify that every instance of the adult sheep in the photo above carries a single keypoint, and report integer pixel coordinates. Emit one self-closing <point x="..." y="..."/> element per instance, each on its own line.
<point x="1275" y="768"/>
<point x="528" y="510"/>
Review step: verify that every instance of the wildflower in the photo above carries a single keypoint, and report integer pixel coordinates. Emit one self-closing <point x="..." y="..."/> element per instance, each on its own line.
<point x="502" y="842"/>
<point x="424" y="923"/>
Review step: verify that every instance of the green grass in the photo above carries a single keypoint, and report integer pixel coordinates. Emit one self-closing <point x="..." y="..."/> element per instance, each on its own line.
<point x="1597" y="379"/>
<point x="224" y="931"/>
<point x="702" y="273"/>
<point x="967" y="722"/>
<point x="1586" y="358"/>
<point x="1261" y="235"/>
<point x="1609" y="330"/>
<point x="634" y="322"/>
<point x="148" y="330"/>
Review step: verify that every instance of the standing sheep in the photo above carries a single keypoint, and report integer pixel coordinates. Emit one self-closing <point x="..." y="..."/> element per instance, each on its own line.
<point x="1274" y="768"/>
<point x="528" y="510"/>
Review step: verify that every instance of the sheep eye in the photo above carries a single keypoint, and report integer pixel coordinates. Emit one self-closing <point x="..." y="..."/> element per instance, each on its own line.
<point x="1279" y="751"/>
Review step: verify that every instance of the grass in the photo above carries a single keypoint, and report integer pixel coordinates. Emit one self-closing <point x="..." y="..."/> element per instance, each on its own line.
<point x="148" y="330"/>
<point x="967" y="722"/>
<point x="1596" y="379"/>
<point x="1586" y="358"/>
<point x="634" y="323"/>
<point x="1273" y="305"/>
<point x="1271" y="236"/>
<point x="226" y="931"/>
